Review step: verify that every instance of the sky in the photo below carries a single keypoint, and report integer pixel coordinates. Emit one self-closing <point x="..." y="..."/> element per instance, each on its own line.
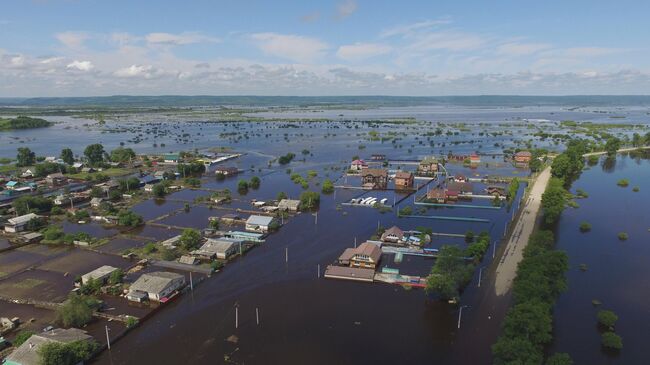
<point x="342" y="47"/>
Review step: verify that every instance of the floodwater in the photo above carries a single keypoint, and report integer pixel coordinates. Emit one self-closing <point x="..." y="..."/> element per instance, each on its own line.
<point x="616" y="271"/>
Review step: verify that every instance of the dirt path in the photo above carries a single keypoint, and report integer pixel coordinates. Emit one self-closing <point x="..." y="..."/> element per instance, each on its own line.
<point x="507" y="269"/>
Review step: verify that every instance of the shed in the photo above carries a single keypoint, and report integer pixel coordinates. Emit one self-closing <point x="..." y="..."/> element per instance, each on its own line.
<point x="289" y="204"/>
<point x="156" y="285"/>
<point x="101" y="273"/>
<point x="259" y="223"/>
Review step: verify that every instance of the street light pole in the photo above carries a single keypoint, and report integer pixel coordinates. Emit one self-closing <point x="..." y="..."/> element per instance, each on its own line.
<point x="480" y="275"/>
<point x="108" y="340"/>
<point x="460" y="314"/>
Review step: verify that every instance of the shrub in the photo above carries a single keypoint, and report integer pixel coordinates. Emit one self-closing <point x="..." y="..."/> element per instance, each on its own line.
<point x="77" y="310"/>
<point x="623" y="183"/>
<point x="55" y="353"/>
<point x="585" y="227"/>
<point x="622" y="236"/>
<point x="607" y="318"/>
<point x="21" y="337"/>
<point x="612" y="341"/>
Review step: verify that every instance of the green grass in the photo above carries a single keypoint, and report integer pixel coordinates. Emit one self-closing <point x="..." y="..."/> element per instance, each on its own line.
<point x="28" y="283"/>
<point x="120" y="171"/>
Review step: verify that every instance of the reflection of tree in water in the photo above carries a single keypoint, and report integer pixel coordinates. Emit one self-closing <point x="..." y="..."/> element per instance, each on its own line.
<point x="640" y="155"/>
<point x="609" y="164"/>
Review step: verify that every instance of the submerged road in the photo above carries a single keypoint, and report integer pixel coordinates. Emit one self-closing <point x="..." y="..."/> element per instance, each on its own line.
<point x="507" y="269"/>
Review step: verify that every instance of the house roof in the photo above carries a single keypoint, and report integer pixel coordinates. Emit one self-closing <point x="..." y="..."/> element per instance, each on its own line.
<point x="259" y="220"/>
<point x="154" y="282"/>
<point x="22" y="219"/>
<point x="403" y="175"/>
<point x="28" y="352"/>
<point x="369" y="249"/>
<point x="56" y="175"/>
<point x="215" y="246"/>
<point x="460" y="186"/>
<point x="171" y="156"/>
<point x="375" y="172"/>
<point x="436" y="194"/>
<point x="358" y="162"/>
<point x="96" y="200"/>
<point x="12" y="183"/>
<point x="523" y="154"/>
<point x="288" y="204"/>
<point x="99" y="272"/>
<point x="393" y="231"/>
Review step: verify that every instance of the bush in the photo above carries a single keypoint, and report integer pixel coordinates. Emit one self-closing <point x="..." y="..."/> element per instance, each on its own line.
<point x="21" y="337"/>
<point x="607" y="318"/>
<point x="623" y="236"/>
<point x="116" y="277"/>
<point x="328" y="187"/>
<point x="255" y="182"/>
<point x="190" y="239"/>
<point x="77" y="310"/>
<point x="149" y="248"/>
<point x="407" y="210"/>
<point x="585" y="227"/>
<point x="242" y="186"/>
<point x="131" y="321"/>
<point x="623" y="183"/>
<point x="612" y="341"/>
<point x="559" y="358"/>
<point x="129" y="219"/>
<point x="309" y="200"/>
<point x="56" y="353"/>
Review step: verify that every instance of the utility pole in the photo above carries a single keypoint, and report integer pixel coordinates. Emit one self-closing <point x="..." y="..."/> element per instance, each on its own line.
<point x="108" y="339"/>
<point x="191" y="282"/>
<point x="460" y="314"/>
<point x="286" y="254"/>
<point x="257" y="316"/>
<point x="237" y="316"/>
<point x="480" y="275"/>
<point x="319" y="271"/>
<point x="494" y="248"/>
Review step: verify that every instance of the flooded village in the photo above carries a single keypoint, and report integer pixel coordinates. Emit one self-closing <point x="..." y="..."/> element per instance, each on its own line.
<point x="163" y="238"/>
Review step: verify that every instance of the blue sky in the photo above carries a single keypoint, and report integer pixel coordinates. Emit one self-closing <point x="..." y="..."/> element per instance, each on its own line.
<point x="344" y="47"/>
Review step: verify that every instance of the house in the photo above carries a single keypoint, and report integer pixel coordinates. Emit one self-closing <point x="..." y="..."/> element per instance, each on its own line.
<point x="87" y="170"/>
<point x="108" y="185"/>
<point x="155" y="286"/>
<point x="374" y="178"/>
<point x="171" y="158"/>
<point x="358" y="165"/>
<point x="226" y="170"/>
<point x="149" y="180"/>
<point x="403" y="180"/>
<point x="12" y="185"/>
<point x="378" y="157"/>
<point x="289" y="204"/>
<point x="18" y="224"/>
<point x="31" y="237"/>
<point x="460" y="178"/>
<point x="474" y="158"/>
<point x="27" y="174"/>
<point x="428" y="166"/>
<point x="96" y="202"/>
<point x="148" y="188"/>
<point x="159" y="174"/>
<point x="171" y="242"/>
<point x="461" y="187"/>
<point x="497" y="191"/>
<point x="29" y="352"/>
<point x="367" y="255"/>
<point x="437" y="195"/>
<point x="221" y="248"/>
<point x="451" y="194"/>
<point x="56" y="179"/>
<point x="259" y="223"/>
<point x="523" y="156"/>
<point x="77" y="165"/>
<point x="393" y="234"/>
<point x="100" y="274"/>
<point x="188" y="260"/>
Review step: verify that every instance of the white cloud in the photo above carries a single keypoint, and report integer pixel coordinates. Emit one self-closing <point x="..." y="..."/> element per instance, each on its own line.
<point x="360" y="51"/>
<point x="410" y="28"/>
<point x="291" y="47"/>
<point x="521" y="49"/>
<point x="80" y="65"/>
<point x="72" y="40"/>
<point x="139" y="71"/>
<point x="590" y="51"/>
<point x="346" y="8"/>
<point x="178" y="39"/>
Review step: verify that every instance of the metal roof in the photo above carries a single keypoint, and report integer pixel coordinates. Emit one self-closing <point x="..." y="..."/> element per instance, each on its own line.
<point x="259" y="220"/>
<point x="22" y="219"/>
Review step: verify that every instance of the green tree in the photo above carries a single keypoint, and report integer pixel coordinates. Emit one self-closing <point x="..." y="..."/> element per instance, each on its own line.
<point x="67" y="156"/>
<point x="612" y="145"/>
<point x="77" y="310"/>
<point x="242" y="186"/>
<point x="94" y="153"/>
<point x="449" y="273"/>
<point x="129" y="219"/>
<point x="56" y="353"/>
<point x="515" y="351"/>
<point x="21" y="337"/>
<point x="531" y="320"/>
<point x="637" y="140"/>
<point x="255" y="182"/>
<point x="190" y="239"/>
<point x="612" y="340"/>
<point x="607" y="318"/>
<point x="25" y="157"/>
<point x="116" y="277"/>
<point x="281" y="195"/>
<point x="559" y="358"/>
<point x="328" y="186"/>
<point x="309" y="200"/>
<point x="554" y="200"/>
<point x="122" y="154"/>
<point x="159" y="190"/>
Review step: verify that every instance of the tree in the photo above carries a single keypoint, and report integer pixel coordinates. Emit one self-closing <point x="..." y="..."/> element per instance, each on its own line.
<point x="281" y="195"/>
<point x="328" y="187"/>
<point x="554" y="200"/>
<point x="637" y="140"/>
<point x="116" y="277"/>
<point x="531" y="320"/>
<point x="94" y="153"/>
<point x="77" y="310"/>
<point x="27" y="203"/>
<point x="122" y="154"/>
<point x="607" y="318"/>
<point x="67" y="156"/>
<point x="255" y="182"/>
<point x="242" y="186"/>
<point x="214" y="224"/>
<point x="309" y="199"/>
<point x="21" y="337"/>
<point x="559" y="358"/>
<point x="612" y="146"/>
<point x="25" y="157"/>
<point x="56" y="353"/>
<point x="159" y="190"/>
<point x="129" y="219"/>
<point x="612" y="340"/>
<point x="515" y="350"/>
<point x="190" y="239"/>
<point x="449" y="273"/>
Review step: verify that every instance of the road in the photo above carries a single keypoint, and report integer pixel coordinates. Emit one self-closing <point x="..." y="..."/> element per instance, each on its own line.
<point x="507" y="268"/>
<point x="629" y="149"/>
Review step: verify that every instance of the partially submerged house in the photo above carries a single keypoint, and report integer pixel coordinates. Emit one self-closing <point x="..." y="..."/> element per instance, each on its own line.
<point x="497" y="191"/>
<point x="403" y="180"/>
<point x="437" y="195"/>
<point x="474" y="158"/>
<point x="523" y="156"/>
<point x="29" y="353"/>
<point x="221" y="248"/>
<point x="367" y="255"/>
<point x="18" y="224"/>
<point x="56" y="179"/>
<point x="156" y="286"/>
<point x="100" y="274"/>
<point x="428" y="166"/>
<point x="259" y="223"/>
<point x="226" y="170"/>
<point x="358" y="165"/>
<point x="464" y="188"/>
<point x="289" y="205"/>
<point x="95" y="202"/>
<point x="171" y="158"/>
<point x="374" y="179"/>
<point x="393" y="234"/>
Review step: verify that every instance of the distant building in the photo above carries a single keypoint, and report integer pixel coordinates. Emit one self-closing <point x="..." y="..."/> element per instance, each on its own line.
<point x="27" y="174"/>
<point x="393" y="234"/>
<point x="188" y="260"/>
<point x="289" y="204"/>
<point x="95" y="202"/>
<point x="171" y="158"/>
<point x="437" y="195"/>
<point x="523" y="156"/>
<point x="18" y="224"/>
<point x="461" y="187"/>
<point x="367" y="255"/>
<point x="12" y="185"/>
<point x="497" y="191"/>
<point x="378" y="157"/>
<point x="226" y="170"/>
<point x="358" y="165"/>
<point x="374" y="179"/>
<point x="29" y="352"/>
<point x="460" y="178"/>
<point x="87" y="170"/>
<point x="101" y="274"/>
<point x="428" y="166"/>
<point x="451" y="194"/>
<point x="31" y="237"/>
<point x="403" y="180"/>
<point x="474" y="158"/>
<point x="259" y="223"/>
<point x="155" y="286"/>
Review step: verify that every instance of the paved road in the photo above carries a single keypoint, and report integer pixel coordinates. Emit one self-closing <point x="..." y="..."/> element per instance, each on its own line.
<point x="507" y="268"/>
<point x="618" y="151"/>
